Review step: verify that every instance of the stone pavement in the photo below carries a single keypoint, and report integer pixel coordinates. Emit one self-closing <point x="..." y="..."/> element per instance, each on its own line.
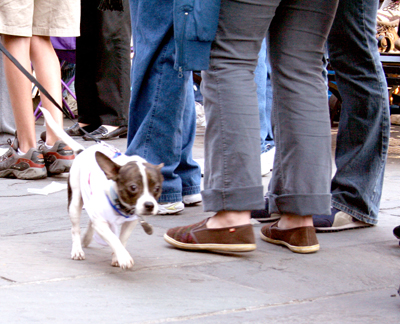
<point x="353" y="278"/>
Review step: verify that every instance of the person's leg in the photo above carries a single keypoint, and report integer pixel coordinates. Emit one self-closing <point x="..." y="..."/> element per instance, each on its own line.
<point x="264" y="96"/>
<point x="113" y="66"/>
<point x="47" y="68"/>
<point x="364" y="127"/>
<point x="188" y="170"/>
<point x="157" y="130"/>
<point x="7" y="124"/>
<point x="19" y="88"/>
<point x="302" y="168"/>
<point x="86" y="66"/>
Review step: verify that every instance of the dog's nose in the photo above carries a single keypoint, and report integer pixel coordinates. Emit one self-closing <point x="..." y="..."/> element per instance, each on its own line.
<point x="149" y="205"/>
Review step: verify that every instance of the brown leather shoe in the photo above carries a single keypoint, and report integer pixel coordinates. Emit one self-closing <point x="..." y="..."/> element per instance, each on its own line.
<point x="199" y="237"/>
<point x="299" y="239"/>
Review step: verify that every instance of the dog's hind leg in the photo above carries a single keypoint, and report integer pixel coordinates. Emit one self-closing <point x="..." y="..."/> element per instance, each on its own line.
<point x="87" y="238"/>
<point x="75" y="204"/>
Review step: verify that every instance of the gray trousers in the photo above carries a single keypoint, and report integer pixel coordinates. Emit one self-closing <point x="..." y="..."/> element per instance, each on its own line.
<point x="301" y="176"/>
<point x="7" y="125"/>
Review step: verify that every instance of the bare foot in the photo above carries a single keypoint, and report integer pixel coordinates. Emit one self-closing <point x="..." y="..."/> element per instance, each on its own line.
<point x="292" y="221"/>
<point x="228" y="218"/>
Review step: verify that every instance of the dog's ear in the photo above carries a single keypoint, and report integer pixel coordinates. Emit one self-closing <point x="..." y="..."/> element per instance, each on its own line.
<point x="160" y="166"/>
<point x="109" y="168"/>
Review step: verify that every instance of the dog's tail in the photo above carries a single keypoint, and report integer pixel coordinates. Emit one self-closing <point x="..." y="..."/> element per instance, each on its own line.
<point x="74" y="145"/>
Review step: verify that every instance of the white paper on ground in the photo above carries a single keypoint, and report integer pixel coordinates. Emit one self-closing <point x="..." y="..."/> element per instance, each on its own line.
<point x="51" y="188"/>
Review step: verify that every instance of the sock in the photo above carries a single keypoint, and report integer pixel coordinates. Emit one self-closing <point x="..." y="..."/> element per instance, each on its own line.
<point x="20" y="152"/>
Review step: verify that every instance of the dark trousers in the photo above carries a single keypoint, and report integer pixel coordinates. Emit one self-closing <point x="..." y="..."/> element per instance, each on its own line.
<point x="103" y="65"/>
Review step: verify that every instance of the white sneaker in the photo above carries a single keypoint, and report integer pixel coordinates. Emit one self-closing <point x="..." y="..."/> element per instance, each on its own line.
<point x="170" y="208"/>
<point x="389" y="15"/>
<point x="267" y="161"/>
<point x="192" y="199"/>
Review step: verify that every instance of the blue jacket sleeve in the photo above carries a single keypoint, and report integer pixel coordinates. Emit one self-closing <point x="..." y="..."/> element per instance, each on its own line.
<point x="195" y="26"/>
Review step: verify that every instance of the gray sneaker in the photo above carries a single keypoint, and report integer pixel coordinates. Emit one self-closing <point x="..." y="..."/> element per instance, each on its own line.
<point x="58" y="159"/>
<point x="29" y="166"/>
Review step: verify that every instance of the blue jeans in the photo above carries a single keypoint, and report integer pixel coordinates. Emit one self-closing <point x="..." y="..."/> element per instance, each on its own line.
<point x="262" y="77"/>
<point x="364" y="127"/>
<point x="162" y="115"/>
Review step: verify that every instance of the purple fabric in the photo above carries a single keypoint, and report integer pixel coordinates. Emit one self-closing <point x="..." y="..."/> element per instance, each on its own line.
<point x="65" y="48"/>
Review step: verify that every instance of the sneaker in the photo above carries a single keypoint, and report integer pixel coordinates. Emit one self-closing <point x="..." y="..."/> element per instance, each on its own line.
<point x="263" y="215"/>
<point x="28" y="166"/>
<point x="267" y="160"/>
<point x="337" y="221"/>
<point x="199" y="237"/>
<point x="389" y="15"/>
<point x="191" y="200"/>
<point x="170" y="208"/>
<point x="298" y="239"/>
<point x="59" y="158"/>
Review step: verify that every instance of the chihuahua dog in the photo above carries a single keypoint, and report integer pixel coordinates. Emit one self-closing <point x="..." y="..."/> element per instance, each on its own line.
<point x="115" y="190"/>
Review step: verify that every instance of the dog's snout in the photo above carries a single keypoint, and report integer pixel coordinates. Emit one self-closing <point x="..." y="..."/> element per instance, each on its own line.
<point x="149" y="206"/>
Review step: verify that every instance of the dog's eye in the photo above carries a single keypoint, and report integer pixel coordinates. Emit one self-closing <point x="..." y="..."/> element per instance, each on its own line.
<point x="134" y="188"/>
<point x="157" y="189"/>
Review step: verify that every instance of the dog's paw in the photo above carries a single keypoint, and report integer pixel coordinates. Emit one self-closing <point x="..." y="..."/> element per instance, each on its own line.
<point x="124" y="260"/>
<point x="77" y="254"/>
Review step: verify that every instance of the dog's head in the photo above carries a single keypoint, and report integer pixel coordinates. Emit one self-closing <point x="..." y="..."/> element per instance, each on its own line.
<point x="138" y="184"/>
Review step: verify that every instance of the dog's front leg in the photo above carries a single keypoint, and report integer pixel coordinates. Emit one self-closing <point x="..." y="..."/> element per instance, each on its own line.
<point x="126" y="231"/>
<point x="75" y="209"/>
<point x="122" y="257"/>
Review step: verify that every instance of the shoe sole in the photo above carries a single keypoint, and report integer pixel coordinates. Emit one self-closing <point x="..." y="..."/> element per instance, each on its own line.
<point x="191" y="203"/>
<point x="28" y="174"/>
<point x="210" y="247"/>
<point x="169" y="212"/>
<point x="346" y="227"/>
<point x="293" y="248"/>
<point x="59" y="166"/>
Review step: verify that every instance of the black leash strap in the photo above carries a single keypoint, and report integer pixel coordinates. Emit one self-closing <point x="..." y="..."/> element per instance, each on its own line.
<point x="40" y="87"/>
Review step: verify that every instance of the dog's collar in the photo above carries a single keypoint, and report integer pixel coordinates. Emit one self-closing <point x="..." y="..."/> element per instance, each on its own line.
<point x="117" y="206"/>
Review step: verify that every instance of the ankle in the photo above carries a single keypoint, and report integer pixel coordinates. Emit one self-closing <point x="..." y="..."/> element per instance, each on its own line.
<point x="228" y="218"/>
<point x="292" y="221"/>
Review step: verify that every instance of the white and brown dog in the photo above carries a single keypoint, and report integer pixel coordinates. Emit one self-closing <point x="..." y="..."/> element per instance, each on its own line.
<point x="115" y="190"/>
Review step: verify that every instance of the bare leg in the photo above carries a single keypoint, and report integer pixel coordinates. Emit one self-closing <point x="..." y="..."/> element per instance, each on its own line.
<point x="48" y="72"/>
<point x="20" y="88"/>
<point x="236" y="218"/>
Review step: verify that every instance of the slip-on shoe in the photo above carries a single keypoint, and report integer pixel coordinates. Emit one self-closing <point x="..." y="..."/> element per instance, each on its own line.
<point x="74" y="130"/>
<point x="299" y="239"/>
<point x="102" y="133"/>
<point x="199" y="237"/>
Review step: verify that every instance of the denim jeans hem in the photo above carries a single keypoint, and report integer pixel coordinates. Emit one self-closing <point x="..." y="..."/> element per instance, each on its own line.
<point x="300" y="204"/>
<point x="194" y="190"/>
<point x="240" y="199"/>
<point x="369" y="219"/>
<point x="170" y="198"/>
